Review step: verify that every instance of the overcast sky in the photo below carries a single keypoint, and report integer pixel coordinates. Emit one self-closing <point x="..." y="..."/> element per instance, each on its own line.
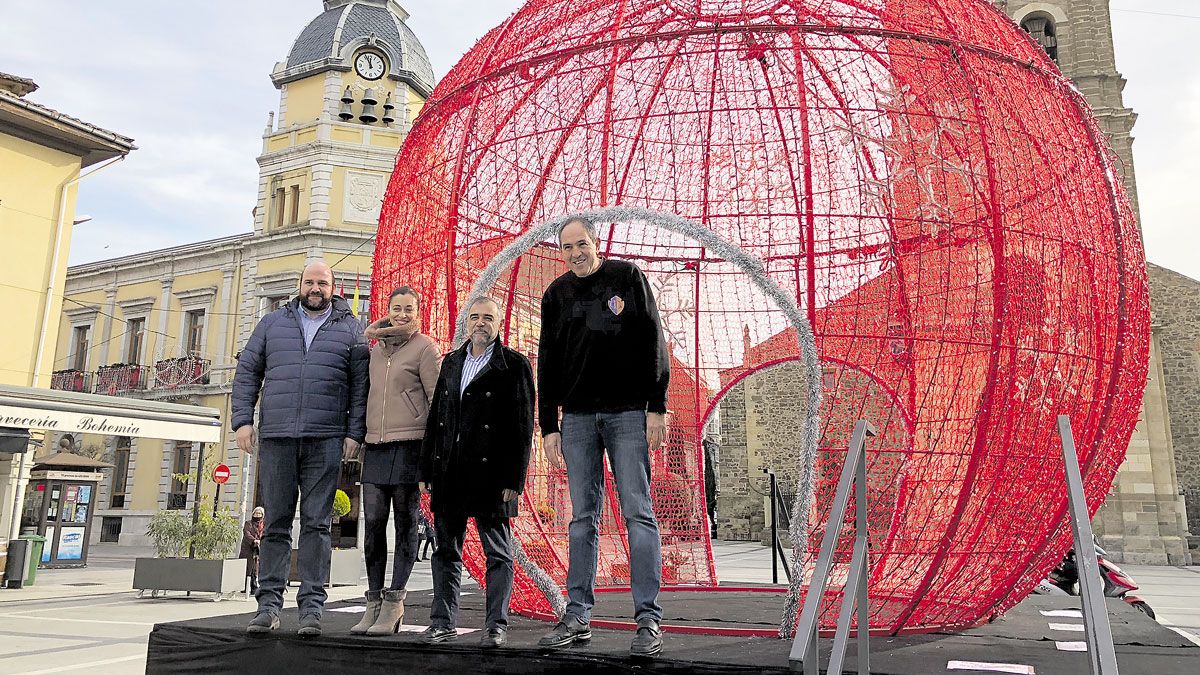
<point x="189" y="82"/>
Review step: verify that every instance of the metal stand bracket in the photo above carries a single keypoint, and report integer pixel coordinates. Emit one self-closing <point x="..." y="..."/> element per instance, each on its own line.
<point x="804" y="645"/>
<point x="1101" y="652"/>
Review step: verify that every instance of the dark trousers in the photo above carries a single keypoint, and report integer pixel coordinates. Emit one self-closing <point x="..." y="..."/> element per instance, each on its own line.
<point x="287" y="467"/>
<point x="496" y="537"/>
<point x="378" y="502"/>
<point x="428" y="542"/>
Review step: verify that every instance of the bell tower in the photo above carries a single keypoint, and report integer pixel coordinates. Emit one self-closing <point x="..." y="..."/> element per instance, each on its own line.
<point x="351" y="85"/>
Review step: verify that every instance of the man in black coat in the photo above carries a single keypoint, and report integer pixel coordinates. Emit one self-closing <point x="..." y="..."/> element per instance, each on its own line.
<point x="473" y="463"/>
<point x="309" y="362"/>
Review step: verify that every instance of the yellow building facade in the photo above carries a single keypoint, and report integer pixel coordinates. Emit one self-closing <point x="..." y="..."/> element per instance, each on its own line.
<point x="168" y="324"/>
<point x="43" y="155"/>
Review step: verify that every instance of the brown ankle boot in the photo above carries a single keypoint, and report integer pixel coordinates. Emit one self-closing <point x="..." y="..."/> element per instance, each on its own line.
<point x="374" y="600"/>
<point x="391" y="613"/>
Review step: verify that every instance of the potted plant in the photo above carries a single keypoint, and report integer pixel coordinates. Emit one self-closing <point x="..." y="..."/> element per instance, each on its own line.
<point x="191" y="557"/>
<point x="344" y="563"/>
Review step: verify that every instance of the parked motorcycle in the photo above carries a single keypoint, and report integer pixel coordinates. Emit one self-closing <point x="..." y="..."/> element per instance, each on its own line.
<point x="1064" y="580"/>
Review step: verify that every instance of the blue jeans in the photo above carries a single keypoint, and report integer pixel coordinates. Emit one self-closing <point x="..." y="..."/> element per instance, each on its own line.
<point x="286" y="466"/>
<point x="584" y="439"/>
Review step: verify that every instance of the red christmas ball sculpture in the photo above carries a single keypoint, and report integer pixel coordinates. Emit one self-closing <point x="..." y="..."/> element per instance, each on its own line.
<point x="918" y="173"/>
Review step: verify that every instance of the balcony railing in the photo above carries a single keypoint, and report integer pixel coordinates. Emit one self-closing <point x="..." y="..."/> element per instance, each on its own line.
<point x="121" y="378"/>
<point x="184" y="371"/>
<point x="71" y="380"/>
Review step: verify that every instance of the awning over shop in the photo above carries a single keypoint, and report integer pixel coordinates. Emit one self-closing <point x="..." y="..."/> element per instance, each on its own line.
<point x="65" y="411"/>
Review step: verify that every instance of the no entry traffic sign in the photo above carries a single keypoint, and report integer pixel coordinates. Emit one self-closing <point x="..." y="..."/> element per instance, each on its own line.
<point x="220" y="474"/>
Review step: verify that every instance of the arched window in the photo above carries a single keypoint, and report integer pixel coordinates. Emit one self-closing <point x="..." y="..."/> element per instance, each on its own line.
<point x="1042" y="29"/>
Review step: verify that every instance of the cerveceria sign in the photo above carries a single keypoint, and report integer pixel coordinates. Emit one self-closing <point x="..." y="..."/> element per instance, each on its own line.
<point x="149" y="424"/>
<point x="95" y="425"/>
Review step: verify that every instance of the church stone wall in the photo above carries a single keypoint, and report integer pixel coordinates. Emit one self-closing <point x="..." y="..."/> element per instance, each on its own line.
<point x="1176" y="302"/>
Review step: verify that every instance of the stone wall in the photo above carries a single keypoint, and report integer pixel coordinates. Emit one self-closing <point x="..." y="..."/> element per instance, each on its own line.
<point x="761" y="420"/>
<point x="1176" y="302"/>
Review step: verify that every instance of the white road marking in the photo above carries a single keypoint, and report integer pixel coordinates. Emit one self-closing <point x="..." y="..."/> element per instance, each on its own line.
<point x="1015" y="668"/>
<point x="1185" y="634"/>
<point x="417" y="628"/>
<point x="77" y="666"/>
<point x="64" y="609"/>
<point x="1071" y="646"/>
<point x="55" y="618"/>
<point x="1069" y="627"/>
<point x="1064" y="613"/>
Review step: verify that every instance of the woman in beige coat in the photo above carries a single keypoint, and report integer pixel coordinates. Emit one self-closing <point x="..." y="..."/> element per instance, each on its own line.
<point x="404" y="370"/>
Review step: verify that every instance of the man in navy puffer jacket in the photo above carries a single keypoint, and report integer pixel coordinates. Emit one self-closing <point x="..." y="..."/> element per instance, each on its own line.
<point x="309" y="361"/>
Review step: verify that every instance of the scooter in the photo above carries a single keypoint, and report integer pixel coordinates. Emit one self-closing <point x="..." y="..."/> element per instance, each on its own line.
<point x="1064" y="580"/>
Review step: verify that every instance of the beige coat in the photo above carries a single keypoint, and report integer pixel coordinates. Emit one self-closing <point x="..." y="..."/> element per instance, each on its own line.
<point x="403" y="376"/>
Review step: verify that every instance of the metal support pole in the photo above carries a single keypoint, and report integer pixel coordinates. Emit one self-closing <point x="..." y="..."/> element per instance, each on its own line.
<point x="196" y="499"/>
<point x="1101" y="652"/>
<point x="774" y="529"/>
<point x="216" y="500"/>
<point x="854" y="591"/>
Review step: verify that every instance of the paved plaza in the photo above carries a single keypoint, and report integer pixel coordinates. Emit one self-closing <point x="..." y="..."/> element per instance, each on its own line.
<point x="89" y="620"/>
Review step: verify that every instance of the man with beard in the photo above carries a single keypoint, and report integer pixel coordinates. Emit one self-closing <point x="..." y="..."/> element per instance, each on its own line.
<point x="473" y="462"/>
<point x="309" y="361"/>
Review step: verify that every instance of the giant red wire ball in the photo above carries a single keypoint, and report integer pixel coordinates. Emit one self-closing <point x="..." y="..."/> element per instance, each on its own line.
<point x="935" y="194"/>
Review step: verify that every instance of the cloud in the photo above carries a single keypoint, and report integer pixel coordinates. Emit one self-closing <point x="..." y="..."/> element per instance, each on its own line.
<point x="189" y="81"/>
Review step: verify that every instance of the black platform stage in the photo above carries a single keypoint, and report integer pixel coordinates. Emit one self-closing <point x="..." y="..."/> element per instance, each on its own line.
<point x="1023" y="637"/>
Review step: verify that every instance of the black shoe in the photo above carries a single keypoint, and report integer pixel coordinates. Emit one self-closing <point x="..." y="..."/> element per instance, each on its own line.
<point x="648" y="641"/>
<point x="263" y="622"/>
<point x="310" y="626"/>
<point x="494" y="637"/>
<point x="568" y="631"/>
<point x="435" y="634"/>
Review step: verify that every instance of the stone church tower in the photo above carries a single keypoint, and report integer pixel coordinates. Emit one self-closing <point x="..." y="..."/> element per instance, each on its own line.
<point x="1143" y="520"/>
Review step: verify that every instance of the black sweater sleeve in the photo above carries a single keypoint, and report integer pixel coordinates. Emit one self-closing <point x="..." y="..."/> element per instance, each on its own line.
<point x="656" y="357"/>
<point x="548" y="396"/>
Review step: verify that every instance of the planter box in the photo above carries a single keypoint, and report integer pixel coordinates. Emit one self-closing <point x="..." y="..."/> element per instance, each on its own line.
<point x="187" y="574"/>
<point x="345" y="567"/>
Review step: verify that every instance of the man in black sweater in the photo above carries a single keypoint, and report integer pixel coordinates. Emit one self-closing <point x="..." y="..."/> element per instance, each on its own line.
<point x="602" y="359"/>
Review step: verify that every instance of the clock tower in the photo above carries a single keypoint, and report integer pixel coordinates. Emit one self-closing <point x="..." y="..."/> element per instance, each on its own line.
<point x="352" y="82"/>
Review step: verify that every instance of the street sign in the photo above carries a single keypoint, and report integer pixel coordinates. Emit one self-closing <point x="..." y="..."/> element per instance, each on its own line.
<point x="220" y="474"/>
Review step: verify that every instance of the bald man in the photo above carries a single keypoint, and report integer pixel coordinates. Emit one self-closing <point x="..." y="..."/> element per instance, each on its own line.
<point x="309" y="361"/>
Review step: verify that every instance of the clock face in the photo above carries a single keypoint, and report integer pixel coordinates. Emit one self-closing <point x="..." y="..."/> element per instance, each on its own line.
<point x="369" y="65"/>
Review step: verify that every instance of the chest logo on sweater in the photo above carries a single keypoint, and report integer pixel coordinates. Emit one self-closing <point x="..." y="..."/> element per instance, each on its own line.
<point x="616" y="305"/>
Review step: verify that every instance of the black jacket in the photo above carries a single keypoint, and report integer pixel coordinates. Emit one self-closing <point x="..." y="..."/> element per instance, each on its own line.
<point x="478" y="446"/>
<point x="314" y="392"/>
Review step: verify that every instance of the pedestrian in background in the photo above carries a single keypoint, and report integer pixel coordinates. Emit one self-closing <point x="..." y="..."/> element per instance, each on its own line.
<point x="252" y="532"/>
<point x="425" y="535"/>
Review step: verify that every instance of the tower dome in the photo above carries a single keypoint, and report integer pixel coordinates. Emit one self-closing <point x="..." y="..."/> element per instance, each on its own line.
<point x="330" y="40"/>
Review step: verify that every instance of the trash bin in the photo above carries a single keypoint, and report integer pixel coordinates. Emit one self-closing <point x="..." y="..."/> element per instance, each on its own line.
<point x="16" y="568"/>
<point x="35" y="556"/>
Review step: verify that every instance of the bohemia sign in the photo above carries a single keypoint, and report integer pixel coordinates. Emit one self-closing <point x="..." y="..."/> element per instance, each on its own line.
<point x="109" y="425"/>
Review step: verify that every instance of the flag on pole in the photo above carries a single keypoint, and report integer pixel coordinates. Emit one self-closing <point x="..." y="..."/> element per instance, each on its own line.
<point x="355" y="305"/>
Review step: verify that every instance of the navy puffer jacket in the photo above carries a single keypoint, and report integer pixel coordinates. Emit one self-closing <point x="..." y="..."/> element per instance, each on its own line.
<point x="319" y="392"/>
